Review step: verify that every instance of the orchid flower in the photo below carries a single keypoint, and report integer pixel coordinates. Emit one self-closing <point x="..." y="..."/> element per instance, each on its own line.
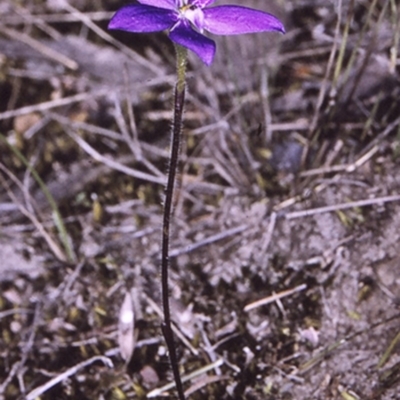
<point x="188" y="19"/>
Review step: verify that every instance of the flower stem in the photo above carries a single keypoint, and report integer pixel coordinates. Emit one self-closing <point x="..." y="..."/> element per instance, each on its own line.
<point x="179" y="99"/>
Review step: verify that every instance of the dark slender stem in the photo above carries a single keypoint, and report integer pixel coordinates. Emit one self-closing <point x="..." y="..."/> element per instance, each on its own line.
<point x="169" y="195"/>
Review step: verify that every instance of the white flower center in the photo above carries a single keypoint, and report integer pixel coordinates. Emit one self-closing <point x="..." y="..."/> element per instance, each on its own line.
<point x="193" y="14"/>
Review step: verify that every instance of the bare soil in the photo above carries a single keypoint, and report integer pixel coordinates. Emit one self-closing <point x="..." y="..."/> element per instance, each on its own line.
<point x="285" y="265"/>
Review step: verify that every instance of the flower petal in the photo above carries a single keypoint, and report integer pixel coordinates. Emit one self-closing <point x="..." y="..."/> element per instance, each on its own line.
<point x="201" y="3"/>
<point x="235" y="20"/>
<point x="142" y="18"/>
<point x="185" y="36"/>
<point x="168" y="4"/>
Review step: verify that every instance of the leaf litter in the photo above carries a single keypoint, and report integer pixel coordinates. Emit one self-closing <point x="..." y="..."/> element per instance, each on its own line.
<point x="288" y="200"/>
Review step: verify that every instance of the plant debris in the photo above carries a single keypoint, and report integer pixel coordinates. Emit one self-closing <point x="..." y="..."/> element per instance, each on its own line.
<point x="285" y="269"/>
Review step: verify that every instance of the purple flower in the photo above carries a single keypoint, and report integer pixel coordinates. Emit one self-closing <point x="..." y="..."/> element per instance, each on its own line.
<point x="181" y="16"/>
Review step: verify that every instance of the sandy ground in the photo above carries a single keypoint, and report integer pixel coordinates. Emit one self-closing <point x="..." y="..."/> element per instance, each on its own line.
<point x="285" y="269"/>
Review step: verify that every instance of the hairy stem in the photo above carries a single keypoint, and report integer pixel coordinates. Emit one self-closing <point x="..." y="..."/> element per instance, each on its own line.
<point x="179" y="99"/>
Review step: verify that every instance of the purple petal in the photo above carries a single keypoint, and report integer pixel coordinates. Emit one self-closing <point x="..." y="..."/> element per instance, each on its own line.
<point x="185" y="36"/>
<point x="142" y="18"/>
<point x="201" y="3"/>
<point x="168" y="4"/>
<point x="235" y="20"/>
